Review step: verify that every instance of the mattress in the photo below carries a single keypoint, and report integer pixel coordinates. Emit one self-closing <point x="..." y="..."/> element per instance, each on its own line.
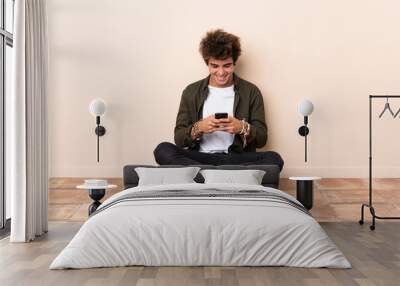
<point x="201" y="225"/>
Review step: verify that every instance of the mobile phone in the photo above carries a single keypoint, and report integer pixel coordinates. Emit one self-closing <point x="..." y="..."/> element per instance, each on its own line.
<point x="221" y="115"/>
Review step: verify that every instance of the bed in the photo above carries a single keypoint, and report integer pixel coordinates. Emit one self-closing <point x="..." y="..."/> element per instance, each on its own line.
<point x="197" y="224"/>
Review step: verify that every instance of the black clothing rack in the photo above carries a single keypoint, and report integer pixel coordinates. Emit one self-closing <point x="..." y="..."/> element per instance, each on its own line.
<point x="370" y="205"/>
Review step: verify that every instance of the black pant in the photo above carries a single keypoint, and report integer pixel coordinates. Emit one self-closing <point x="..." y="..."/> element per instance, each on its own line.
<point x="169" y="154"/>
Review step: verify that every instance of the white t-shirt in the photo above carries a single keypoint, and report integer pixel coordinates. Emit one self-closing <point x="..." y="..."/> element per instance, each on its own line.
<point x="218" y="100"/>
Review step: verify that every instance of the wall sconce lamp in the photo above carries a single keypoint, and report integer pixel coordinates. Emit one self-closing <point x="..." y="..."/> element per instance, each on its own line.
<point x="97" y="108"/>
<point x="305" y="108"/>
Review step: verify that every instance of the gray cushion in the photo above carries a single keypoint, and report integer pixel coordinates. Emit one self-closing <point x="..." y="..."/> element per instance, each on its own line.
<point x="248" y="177"/>
<point x="165" y="176"/>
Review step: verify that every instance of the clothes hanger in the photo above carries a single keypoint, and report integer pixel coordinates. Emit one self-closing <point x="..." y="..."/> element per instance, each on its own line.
<point x="387" y="107"/>
<point x="397" y="113"/>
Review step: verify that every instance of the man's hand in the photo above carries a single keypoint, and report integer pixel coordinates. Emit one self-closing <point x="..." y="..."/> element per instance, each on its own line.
<point x="209" y="124"/>
<point x="231" y="125"/>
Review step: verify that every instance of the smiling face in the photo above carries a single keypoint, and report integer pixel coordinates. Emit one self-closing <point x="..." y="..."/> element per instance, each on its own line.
<point x="221" y="72"/>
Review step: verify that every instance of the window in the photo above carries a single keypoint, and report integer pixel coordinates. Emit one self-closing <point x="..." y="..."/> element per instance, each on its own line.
<point x="6" y="57"/>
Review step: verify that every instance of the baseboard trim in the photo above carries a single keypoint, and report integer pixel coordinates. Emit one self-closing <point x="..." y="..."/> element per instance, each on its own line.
<point x="341" y="172"/>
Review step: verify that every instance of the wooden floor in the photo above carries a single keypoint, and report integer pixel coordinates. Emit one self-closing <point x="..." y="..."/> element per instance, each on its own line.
<point x="374" y="255"/>
<point x="334" y="199"/>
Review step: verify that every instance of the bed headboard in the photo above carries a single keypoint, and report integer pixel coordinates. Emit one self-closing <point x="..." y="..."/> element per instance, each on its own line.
<point x="270" y="179"/>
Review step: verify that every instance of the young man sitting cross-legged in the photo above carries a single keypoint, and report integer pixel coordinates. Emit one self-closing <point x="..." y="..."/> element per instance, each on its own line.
<point x="201" y="135"/>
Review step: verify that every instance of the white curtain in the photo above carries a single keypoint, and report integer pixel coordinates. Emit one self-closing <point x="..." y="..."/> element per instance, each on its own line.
<point x="28" y="120"/>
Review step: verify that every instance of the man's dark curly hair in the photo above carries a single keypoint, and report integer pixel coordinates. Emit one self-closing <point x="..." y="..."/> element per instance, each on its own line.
<point x="220" y="45"/>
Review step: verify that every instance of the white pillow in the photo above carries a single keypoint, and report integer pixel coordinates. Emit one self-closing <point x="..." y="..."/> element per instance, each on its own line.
<point x="165" y="176"/>
<point x="248" y="177"/>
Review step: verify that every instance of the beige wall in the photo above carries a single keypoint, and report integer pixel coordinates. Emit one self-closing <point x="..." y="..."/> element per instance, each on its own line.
<point x="139" y="55"/>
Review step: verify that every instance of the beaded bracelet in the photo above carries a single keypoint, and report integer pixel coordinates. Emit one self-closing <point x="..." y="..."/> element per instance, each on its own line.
<point x="195" y="132"/>
<point x="245" y="132"/>
<point x="243" y="127"/>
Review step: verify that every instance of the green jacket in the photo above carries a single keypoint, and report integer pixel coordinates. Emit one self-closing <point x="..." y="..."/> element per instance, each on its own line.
<point x="248" y="104"/>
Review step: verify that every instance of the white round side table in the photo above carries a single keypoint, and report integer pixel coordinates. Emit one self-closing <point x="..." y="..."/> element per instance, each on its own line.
<point x="96" y="194"/>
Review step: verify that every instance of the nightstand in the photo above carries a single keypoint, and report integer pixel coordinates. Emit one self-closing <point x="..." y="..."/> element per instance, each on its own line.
<point x="96" y="194"/>
<point x="304" y="190"/>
